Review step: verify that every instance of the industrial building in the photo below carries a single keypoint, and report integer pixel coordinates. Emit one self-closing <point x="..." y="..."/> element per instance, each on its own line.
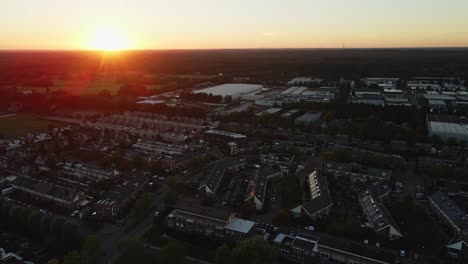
<point x="304" y="81"/>
<point x="307" y="119"/>
<point x="233" y="90"/>
<point x="448" y="127"/>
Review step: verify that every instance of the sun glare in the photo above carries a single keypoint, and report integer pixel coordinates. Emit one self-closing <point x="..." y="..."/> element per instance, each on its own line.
<point x="108" y="40"/>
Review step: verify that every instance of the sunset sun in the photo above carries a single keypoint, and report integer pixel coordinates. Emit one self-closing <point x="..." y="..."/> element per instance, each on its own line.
<point x="108" y="40"/>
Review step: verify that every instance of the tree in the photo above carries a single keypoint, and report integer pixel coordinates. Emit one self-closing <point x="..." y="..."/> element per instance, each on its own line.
<point x="173" y="253"/>
<point x="104" y="93"/>
<point x="254" y="250"/>
<point x="53" y="261"/>
<point x="223" y="255"/>
<point x="328" y="117"/>
<point x="133" y="90"/>
<point x="172" y="182"/>
<point x="70" y="234"/>
<point x="451" y="141"/>
<point x="142" y="206"/>
<point x="33" y="221"/>
<point x="72" y="258"/>
<point x="133" y="251"/>
<point x="93" y="249"/>
<point x="283" y="218"/>
<point x="170" y="197"/>
<point x="436" y="139"/>
<point x="13" y="216"/>
<point x="138" y="161"/>
<point x="45" y="224"/>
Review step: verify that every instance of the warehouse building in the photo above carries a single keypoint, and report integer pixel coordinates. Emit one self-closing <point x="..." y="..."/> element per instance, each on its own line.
<point x="448" y="127"/>
<point x="233" y="90"/>
<point x="307" y="119"/>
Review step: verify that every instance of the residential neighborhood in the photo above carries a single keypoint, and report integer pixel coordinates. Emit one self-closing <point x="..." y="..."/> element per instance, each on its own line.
<point x="307" y="169"/>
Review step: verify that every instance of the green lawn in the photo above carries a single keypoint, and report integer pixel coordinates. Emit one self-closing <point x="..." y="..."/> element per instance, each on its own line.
<point x="21" y="124"/>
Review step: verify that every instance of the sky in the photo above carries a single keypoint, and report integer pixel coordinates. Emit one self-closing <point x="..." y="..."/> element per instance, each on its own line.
<point x="222" y="24"/>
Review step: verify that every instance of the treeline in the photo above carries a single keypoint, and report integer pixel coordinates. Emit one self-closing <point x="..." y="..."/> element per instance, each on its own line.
<point x="362" y="121"/>
<point x="58" y="103"/>
<point x="393" y="113"/>
<point x="60" y="233"/>
<point x="201" y="97"/>
<point x="265" y="64"/>
<point x="373" y="122"/>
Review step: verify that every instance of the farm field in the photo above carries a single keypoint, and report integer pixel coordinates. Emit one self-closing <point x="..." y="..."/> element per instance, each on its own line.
<point x="21" y="124"/>
<point x="78" y="87"/>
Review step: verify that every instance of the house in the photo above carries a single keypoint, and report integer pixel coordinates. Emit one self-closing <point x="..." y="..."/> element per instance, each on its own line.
<point x="175" y="163"/>
<point x="378" y="216"/>
<point x="457" y="248"/>
<point x="239" y="228"/>
<point x="11" y="258"/>
<point x="448" y="212"/>
<point x="212" y="182"/>
<point x="87" y="171"/>
<point x="211" y="222"/>
<point x="63" y="198"/>
<point x="150" y="147"/>
<point x="233" y="148"/>
<point x="304" y="247"/>
<point x="320" y="202"/>
<point x="3" y="162"/>
<point x="256" y="190"/>
<point x="120" y="198"/>
<point x="300" y="248"/>
<point x="277" y="159"/>
<point x="457" y="220"/>
<point x="357" y="172"/>
<point x="203" y="221"/>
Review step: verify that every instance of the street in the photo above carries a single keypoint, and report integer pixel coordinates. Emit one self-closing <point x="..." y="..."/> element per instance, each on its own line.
<point x="112" y="234"/>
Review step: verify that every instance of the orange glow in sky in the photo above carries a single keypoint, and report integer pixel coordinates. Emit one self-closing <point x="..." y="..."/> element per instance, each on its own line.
<point x="108" y="39"/>
<point x="207" y="24"/>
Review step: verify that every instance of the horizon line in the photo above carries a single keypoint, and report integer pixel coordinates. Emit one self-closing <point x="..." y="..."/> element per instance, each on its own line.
<point x="221" y="49"/>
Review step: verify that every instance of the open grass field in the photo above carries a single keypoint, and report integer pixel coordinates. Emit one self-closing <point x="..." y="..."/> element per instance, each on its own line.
<point x="88" y="87"/>
<point x="78" y="87"/>
<point x="21" y="124"/>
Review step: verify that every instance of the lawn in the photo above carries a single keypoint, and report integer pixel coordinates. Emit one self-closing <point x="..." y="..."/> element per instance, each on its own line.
<point x="21" y="124"/>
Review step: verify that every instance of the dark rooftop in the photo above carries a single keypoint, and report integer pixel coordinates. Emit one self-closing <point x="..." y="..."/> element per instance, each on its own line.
<point x="456" y="214"/>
